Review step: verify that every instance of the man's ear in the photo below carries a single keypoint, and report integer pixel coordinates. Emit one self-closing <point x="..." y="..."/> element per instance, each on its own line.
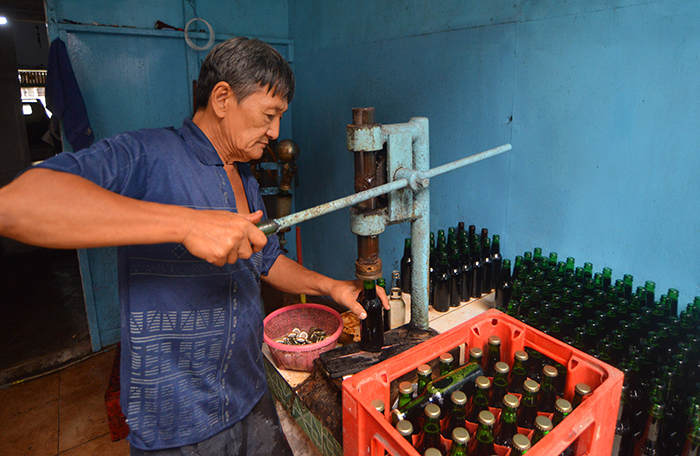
<point x="221" y="95"/>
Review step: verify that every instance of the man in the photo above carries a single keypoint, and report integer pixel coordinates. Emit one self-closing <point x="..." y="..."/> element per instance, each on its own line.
<point x="182" y="204"/>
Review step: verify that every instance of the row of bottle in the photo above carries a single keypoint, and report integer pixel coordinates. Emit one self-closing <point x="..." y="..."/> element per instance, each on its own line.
<point x="521" y="399"/>
<point x="463" y="265"/>
<point x="657" y="349"/>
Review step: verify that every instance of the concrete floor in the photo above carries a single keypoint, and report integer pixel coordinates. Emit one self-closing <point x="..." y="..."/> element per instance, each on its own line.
<point x="43" y="324"/>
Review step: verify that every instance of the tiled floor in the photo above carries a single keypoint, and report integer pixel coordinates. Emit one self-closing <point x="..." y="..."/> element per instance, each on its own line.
<point x="61" y="413"/>
<point x="64" y="413"/>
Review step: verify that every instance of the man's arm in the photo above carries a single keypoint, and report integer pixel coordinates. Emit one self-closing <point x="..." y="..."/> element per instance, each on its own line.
<point x="289" y="276"/>
<point x="61" y="210"/>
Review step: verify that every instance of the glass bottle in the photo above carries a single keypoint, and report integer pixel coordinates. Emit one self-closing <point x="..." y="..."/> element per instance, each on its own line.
<point x="542" y="427"/>
<point x="507" y="425"/>
<point x="430" y="436"/>
<point x="623" y="432"/>
<point x="504" y="287"/>
<point x="405" y="394"/>
<point x="456" y="415"/>
<point x="536" y="364"/>
<point x="438" y="390"/>
<point x="378" y="405"/>
<point x="432" y="452"/>
<point x="493" y="355"/>
<point x="446" y="362"/>
<point x="648" y="444"/>
<point x="499" y="387"/>
<point x="480" y="400"/>
<point x="650" y="288"/>
<point x="497" y="260"/>
<point x="476" y="355"/>
<point x="397" y="313"/>
<point x="580" y="391"/>
<point x="460" y="440"/>
<point x="425" y="376"/>
<point x="372" y="327"/>
<point x="466" y="269"/>
<point x="406" y="267"/>
<point x="405" y="429"/>
<point x="487" y="261"/>
<point x="441" y="290"/>
<point x="527" y="412"/>
<point x="386" y="318"/>
<point x="562" y="408"/>
<point x="482" y="443"/>
<point x="521" y="444"/>
<point x="477" y="271"/>
<point x="455" y="275"/>
<point x="692" y="441"/>
<point x="548" y="390"/>
<point x="519" y="372"/>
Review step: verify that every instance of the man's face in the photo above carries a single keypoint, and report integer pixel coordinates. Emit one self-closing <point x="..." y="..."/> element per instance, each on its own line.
<point x="251" y="123"/>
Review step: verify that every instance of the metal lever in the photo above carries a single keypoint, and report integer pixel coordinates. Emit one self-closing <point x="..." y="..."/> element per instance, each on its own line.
<point x="410" y="178"/>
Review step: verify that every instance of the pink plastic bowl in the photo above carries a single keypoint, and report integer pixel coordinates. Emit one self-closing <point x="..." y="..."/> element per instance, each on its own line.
<point x="303" y="316"/>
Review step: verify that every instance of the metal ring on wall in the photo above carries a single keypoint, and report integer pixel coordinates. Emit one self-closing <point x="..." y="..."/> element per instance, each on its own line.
<point x="209" y="44"/>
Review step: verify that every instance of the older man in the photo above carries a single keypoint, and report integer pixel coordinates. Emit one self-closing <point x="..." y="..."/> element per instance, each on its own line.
<point x="181" y="205"/>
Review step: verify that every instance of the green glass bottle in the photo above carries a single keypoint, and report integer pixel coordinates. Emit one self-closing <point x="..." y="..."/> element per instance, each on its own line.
<point x="548" y="390"/>
<point x="519" y="372"/>
<point x="476" y="355"/>
<point x="648" y="444"/>
<point x="460" y="440"/>
<point x="650" y="288"/>
<point x="456" y="415"/>
<point x="438" y="390"/>
<point x="405" y="429"/>
<point x="521" y="444"/>
<point x="372" y="327"/>
<point x="581" y="390"/>
<point x="455" y="274"/>
<point x="504" y="286"/>
<point x="518" y="268"/>
<point x="527" y="412"/>
<point x="465" y="261"/>
<point x="507" y="425"/>
<point x="482" y="443"/>
<point x="493" y="355"/>
<point x="480" y="400"/>
<point x="477" y="271"/>
<point x="441" y="287"/>
<point x="542" y="427"/>
<point x="562" y="408"/>
<point x="487" y="262"/>
<point x="386" y="318"/>
<point x="378" y="405"/>
<point x="405" y="394"/>
<point x="497" y="260"/>
<point x="446" y="362"/>
<point x="607" y="278"/>
<point x="430" y="436"/>
<point x="499" y="387"/>
<point x="425" y="376"/>
<point x="692" y="441"/>
<point x="622" y="443"/>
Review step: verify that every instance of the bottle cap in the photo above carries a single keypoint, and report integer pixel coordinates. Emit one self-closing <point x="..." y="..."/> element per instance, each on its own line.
<point x="476" y="352"/>
<point x="404" y="427"/>
<point x="531" y="386"/>
<point x="459" y="398"/>
<point x="563" y="406"/>
<point x="432" y="452"/>
<point x="432" y="411"/>
<point x="483" y="382"/>
<point x="582" y="389"/>
<point x="379" y="405"/>
<point x="543" y="423"/>
<point x="521" y="442"/>
<point x="487" y="418"/>
<point x="406" y="388"/>
<point x="501" y="367"/>
<point x="446" y="358"/>
<point x="550" y="371"/>
<point x="460" y="435"/>
<point x="512" y="401"/>
<point x="494" y="340"/>
<point x="425" y="370"/>
<point x="521" y="355"/>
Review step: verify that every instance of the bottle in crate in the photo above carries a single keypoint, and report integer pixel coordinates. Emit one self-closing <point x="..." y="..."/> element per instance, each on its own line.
<point x="430" y="435"/>
<point x="480" y="400"/>
<point x="519" y="372"/>
<point x="543" y="426"/>
<point x="405" y="429"/>
<point x="521" y="444"/>
<point x="507" y="425"/>
<point x="456" y="415"/>
<point x="460" y="440"/>
<point x="527" y="412"/>
<point x="499" y="386"/>
<point x="493" y="355"/>
<point x="482" y="443"/>
<point x="548" y="392"/>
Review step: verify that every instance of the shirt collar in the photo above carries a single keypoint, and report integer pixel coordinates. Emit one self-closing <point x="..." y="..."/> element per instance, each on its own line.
<point x="199" y="143"/>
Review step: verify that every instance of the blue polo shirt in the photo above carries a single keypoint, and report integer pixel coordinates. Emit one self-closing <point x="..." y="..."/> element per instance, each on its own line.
<point x="191" y="332"/>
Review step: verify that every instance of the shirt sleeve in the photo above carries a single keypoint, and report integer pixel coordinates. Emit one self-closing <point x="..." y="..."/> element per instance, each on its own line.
<point x="118" y="164"/>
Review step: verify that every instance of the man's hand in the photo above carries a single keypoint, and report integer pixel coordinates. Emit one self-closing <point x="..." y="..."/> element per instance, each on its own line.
<point x="221" y="237"/>
<point x="347" y="293"/>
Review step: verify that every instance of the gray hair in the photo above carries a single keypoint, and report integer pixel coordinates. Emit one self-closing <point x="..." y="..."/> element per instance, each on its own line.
<point x="247" y="65"/>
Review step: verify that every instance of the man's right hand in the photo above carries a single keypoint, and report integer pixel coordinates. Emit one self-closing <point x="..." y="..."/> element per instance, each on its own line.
<point x="221" y="237"/>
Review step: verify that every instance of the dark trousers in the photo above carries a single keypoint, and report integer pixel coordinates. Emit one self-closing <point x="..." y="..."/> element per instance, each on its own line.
<point x="258" y="434"/>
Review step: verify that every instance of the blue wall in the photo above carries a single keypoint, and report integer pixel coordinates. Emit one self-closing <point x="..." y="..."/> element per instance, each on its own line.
<point x="599" y="99"/>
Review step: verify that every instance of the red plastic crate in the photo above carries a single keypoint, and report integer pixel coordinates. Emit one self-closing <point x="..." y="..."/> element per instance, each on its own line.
<point x="592" y="424"/>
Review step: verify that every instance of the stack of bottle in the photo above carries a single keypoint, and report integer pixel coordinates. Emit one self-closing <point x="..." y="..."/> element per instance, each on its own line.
<point x="463" y="265"/>
<point x="656" y="348"/>
<point x="488" y="405"/>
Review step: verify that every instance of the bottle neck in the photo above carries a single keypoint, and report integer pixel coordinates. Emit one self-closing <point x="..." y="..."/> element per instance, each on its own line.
<point x="370" y="289"/>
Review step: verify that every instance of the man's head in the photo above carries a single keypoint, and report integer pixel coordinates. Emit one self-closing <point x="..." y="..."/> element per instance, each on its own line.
<point x="247" y="66"/>
<point x="244" y="88"/>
